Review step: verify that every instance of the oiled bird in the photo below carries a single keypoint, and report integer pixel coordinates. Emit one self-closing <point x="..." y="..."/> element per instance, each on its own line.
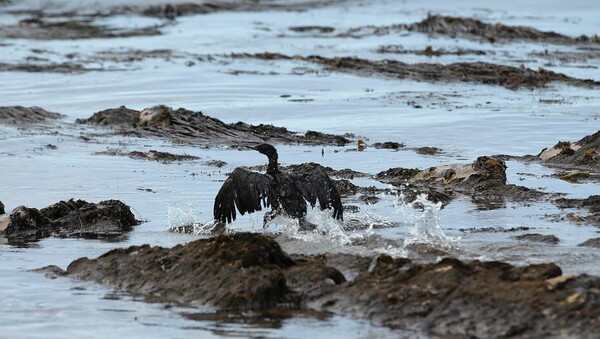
<point x="285" y="193"/>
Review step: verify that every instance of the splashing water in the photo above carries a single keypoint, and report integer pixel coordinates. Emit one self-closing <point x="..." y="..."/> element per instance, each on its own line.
<point x="177" y="217"/>
<point x="425" y="224"/>
<point x="180" y="220"/>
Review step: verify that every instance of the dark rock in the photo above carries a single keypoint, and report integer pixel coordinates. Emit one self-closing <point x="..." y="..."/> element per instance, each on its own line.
<point x="72" y="218"/>
<point x="468" y="28"/>
<point x="1" y="208"/>
<point x="163" y="157"/>
<point x="83" y="219"/>
<point x="318" y="29"/>
<point x="495" y="229"/>
<point x="27" y="223"/>
<point x="398" y="174"/>
<point x="582" y="154"/>
<point x="369" y="199"/>
<point x="474" y="72"/>
<point x="450" y="298"/>
<point x="216" y="163"/>
<point x="475" y="29"/>
<point x="112" y="117"/>
<point x="388" y="145"/>
<point x="428" y="150"/>
<point x="51" y="271"/>
<point x="595" y="242"/>
<point x="40" y="29"/>
<point x="182" y="125"/>
<point x="592" y="203"/>
<point x="26" y="115"/>
<point x="484" y="180"/>
<point x="345" y="187"/>
<point x="536" y="237"/>
<point x="243" y="271"/>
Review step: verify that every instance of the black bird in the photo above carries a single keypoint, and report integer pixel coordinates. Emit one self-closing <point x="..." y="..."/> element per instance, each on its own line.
<point x="285" y="193"/>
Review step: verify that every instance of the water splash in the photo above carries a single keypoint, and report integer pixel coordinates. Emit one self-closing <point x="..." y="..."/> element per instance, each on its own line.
<point x="178" y="217"/>
<point x="185" y="221"/>
<point x="424" y="217"/>
<point x="327" y="228"/>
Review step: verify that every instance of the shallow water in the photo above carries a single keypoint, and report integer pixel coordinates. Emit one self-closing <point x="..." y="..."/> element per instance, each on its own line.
<point x="464" y="120"/>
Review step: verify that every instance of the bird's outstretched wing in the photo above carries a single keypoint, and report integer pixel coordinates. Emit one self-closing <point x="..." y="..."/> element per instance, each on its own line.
<point x="248" y="191"/>
<point x="314" y="185"/>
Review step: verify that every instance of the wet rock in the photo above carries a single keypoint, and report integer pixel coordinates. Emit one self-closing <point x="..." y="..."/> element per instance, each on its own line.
<point x="163" y="157"/>
<point x="216" y="163"/>
<point x="345" y="187"/>
<point x="429" y="51"/>
<point x="25" y="223"/>
<point x="580" y="158"/>
<point x="426" y="150"/>
<point x="475" y="72"/>
<point x="182" y="125"/>
<point x="369" y="199"/>
<point x="595" y="242"/>
<point x="72" y="218"/>
<point x="536" y="237"/>
<point x="450" y="298"/>
<point x="453" y="298"/>
<point x="398" y="175"/>
<point x="475" y="29"/>
<point x="243" y="271"/>
<point x="39" y="29"/>
<point x="314" y="29"/>
<point x="79" y="218"/>
<point x="577" y="177"/>
<point x="468" y="28"/>
<point x="495" y="229"/>
<point x="1" y="208"/>
<point x="484" y="180"/>
<point x="113" y="117"/>
<point x="591" y="203"/>
<point x="63" y="67"/>
<point x="388" y="145"/>
<point x="15" y="115"/>
<point x="582" y="154"/>
<point x="426" y="251"/>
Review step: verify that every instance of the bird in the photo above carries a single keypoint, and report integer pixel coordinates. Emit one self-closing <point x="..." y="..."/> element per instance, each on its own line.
<point x="285" y="193"/>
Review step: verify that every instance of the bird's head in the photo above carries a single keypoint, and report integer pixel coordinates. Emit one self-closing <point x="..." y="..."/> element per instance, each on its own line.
<point x="267" y="150"/>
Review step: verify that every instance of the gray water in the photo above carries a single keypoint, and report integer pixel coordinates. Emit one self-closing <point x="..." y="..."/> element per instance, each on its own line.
<point x="464" y="120"/>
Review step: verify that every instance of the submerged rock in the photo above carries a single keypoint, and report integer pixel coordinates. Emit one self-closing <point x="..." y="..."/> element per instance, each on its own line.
<point x="536" y="237"/>
<point x="72" y="218"/>
<point x="163" y="157"/>
<point x="182" y="125"/>
<point x="248" y="271"/>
